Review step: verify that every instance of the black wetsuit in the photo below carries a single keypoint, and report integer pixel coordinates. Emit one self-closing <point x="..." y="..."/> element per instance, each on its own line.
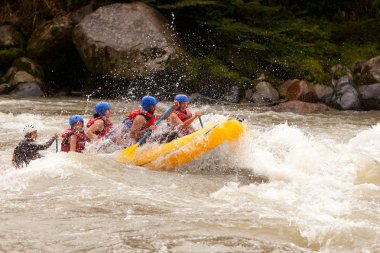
<point x="27" y="150"/>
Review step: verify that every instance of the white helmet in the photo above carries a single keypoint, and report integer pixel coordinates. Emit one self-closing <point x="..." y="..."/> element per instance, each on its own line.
<point x="28" y="129"/>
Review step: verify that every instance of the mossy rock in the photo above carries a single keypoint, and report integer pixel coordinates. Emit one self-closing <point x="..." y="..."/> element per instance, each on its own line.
<point x="8" y="55"/>
<point x="29" y="66"/>
<point x="20" y="41"/>
<point x="50" y="41"/>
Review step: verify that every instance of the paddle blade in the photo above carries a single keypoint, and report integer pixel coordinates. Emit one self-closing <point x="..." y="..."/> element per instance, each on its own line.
<point x="126" y="156"/>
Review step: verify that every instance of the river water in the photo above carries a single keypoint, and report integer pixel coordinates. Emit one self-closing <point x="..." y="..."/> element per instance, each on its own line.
<point x="294" y="183"/>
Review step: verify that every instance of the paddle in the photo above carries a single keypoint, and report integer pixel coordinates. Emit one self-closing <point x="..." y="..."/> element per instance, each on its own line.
<point x="127" y="154"/>
<point x="200" y="121"/>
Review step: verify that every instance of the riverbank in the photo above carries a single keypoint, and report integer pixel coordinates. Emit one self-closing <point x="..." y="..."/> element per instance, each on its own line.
<point x="222" y="50"/>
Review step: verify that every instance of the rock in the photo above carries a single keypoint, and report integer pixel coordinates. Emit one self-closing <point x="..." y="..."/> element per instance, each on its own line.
<point x="324" y="93"/>
<point x="264" y="93"/>
<point x="23" y="77"/>
<point x="370" y="91"/>
<point x="50" y="41"/>
<point x="126" y="40"/>
<point x="370" y="72"/>
<point x="283" y="89"/>
<point x="262" y="77"/>
<point x="29" y="66"/>
<point x="23" y="70"/>
<point x="235" y="94"/>
<point x="10" y="73"/>
<point x="357" y="66"/>
<point x="24" y="65"/>
<point x="301" y="90"/>
<point x="370" y="96"/>
<point x="249" y="94"/>
<point x="301" y="107"/>
<point x="28" y="89"/>
<point x="51" y="47"/>
<point x="5" y="88"/>
<point x="339" y="71"/>
<point x="345" y="95"/>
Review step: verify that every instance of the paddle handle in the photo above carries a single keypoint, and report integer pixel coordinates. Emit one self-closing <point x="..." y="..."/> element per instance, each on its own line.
<point x="56" y="145"/>
<point x="155" y="124"/>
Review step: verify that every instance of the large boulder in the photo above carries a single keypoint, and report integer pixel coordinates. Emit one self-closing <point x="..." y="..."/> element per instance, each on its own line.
<point x="370" y="96"/>
<point x="300" y="90"/>
<point x="126" y="40"/>
<point x="370" y="71"/>
<point x="283" y="89"/>
<point x="50" y="41"/>
<point x="324" y="93"/>
<point x="51" y="47"/>
<point x="345" y="95"/>
<point x="264" y="93"/>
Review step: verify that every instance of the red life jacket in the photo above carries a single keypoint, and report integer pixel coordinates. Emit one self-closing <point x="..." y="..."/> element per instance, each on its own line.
<point x="107" y="126"/>
<point x="81" y="140"/>
<point x="150" y="119"/>
<point x="183" y="115"/>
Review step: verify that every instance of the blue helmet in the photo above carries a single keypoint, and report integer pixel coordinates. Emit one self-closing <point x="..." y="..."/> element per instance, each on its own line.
<point x="102" y="107"/>
<point x="74" y="119"/>
<point x="147" y="102"/>
<point x="181" y="98"/>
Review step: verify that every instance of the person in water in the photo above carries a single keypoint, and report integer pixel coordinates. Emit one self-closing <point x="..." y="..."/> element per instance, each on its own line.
<point x="181" y="118"/>
<point x="100" y="124"/>
<point x="27" y="150"/>
<point x="74" y="138"/>
<point x="141" y="120"/>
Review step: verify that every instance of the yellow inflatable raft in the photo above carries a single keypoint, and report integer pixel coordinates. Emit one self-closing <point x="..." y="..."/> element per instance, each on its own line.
<point x="178" y="152"/>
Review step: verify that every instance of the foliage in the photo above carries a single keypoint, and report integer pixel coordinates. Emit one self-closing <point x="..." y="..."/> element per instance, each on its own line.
<point x="340" y="9"/>
<point x="8" y="55"/>
<point x="283" y="39"/>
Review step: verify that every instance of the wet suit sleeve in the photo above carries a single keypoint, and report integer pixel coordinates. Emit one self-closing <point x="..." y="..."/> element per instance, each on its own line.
<point x="42" y="146"/>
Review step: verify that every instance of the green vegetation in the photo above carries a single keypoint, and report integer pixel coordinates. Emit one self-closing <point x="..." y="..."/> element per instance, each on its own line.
<point x="283" y="39"/>
<point x="8" y="55"/>
<point x="234" y="41"/>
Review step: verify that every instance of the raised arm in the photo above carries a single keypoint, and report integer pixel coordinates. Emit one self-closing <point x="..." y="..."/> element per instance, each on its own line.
<point x="34" y="146"/>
